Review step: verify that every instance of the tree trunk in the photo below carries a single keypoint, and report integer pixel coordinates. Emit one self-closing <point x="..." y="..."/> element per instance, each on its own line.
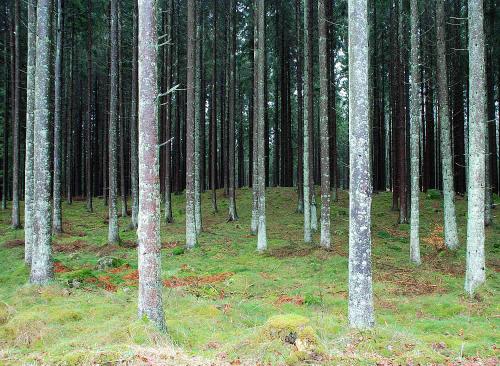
<point x="121" y="120"/>
<point x="190" y="127"/>
<point x="113" y="234"/>
<point x="323" y="126"/>
<point x="360" y="274"/>
<point x="415" y="122"/>
<point x="213" y="119"/>
<point x="41" y="265"/>
<point x="134" y="172"/>
<point x="254" y="226"/>
<point x="148" y="232"/>
<point x="233" y="215"/>
<point x="300" y="115"/>
<point x="450" y="222"/>
<point x="16" y="220"/>
<point x="29" y="234"/>
<point x="88" y="130"/>
<point x="58" y="90"/>
<point x="69" y="128"/>
<point x="168" y="118"/>
<point x="475" y="261"/>
<point x="197" y="120"/>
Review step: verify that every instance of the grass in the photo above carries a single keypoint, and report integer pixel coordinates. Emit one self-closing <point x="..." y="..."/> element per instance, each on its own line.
<point x="226" y="303"/>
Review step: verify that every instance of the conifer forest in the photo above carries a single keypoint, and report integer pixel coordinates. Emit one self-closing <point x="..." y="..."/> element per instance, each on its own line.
<point x="250" y="182"/>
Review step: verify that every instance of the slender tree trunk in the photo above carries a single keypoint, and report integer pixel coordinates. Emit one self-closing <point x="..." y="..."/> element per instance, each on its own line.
<point x="261" y="232"/>
<point x="475" y="263"/>
<point x="332" y="108"/>
<point x="29" y="234"/>
<point x="148" y="232"/>
<point x="88" y="130"/>
<point x="213" y="120"/>
<point x="233" y="215"/>
<point x="251" y="108"/>
<point x="200" y="109"/>
<point x="255" y="124"/>
<point x="415" y="122"/>
<point x="41" y="265"/>
<point x="5" y="155"/>
<point x="16" y="220"/>
<point x="168" y="118"/>
<point x="134" y="172"/>
<point x="307" y="123"/>
<point x="121" y="120"/>
<point x="323" y="125"/>
<point x="113" y="234"/>
<point x="450" y="223"/>
<point x="69" y="128"/>
<point x="360" y="274"/>
<point x="190" y="127"/>
<point x="300" y="112"/>
<point x="58" y="89"/>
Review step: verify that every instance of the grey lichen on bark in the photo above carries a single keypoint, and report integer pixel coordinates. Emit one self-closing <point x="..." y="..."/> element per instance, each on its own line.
<point x="415" y="122"/>
<point x="148" y="232"/>
<point x="41" y="264"/>
<point x="475" y="261"/>
<point x="450" y="221"/>
<point x="360" y="184"/>
<point x="29" y="234"/>
<point x="113" y="233"/>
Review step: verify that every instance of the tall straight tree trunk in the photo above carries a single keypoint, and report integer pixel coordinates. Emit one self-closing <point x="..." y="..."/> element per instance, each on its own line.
<point x="134" y="172"/>
<point x="148" y="232"/>
<point x="16" y="220"/>
<point x="58" y="90"/>
<point x="121" y="120"/>
<point x="332" y="108"/>
<point x="41" y="265"/>
<point x="450" y="223"/>
<point x="251" y="106"/>
<point x="29" y="234"/>
<point x="360" y="189"/>
<point x="199" y="110"/>
<point x="233" y="215"/>
<point x="475" y="262"/>
<point x="69" y="128"/>
<point x="307" y="163"/>
<point x="168" y="118"/>
<point x="113" y="234"/>
<point x="323" y="126"/>
<point x="213" y="119"/>
<point x="300" y="113"/>
<point x="415" y="122"/>
<point x="88" y="130"/>
<point x="190" y="122"/>
<point x="261" y="231"/>
<point x="254" y="226"/>
<point x="5" y="155"/>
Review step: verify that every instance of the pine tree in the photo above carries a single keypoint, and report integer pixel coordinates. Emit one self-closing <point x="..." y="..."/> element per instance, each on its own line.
<point x="134" y="173"/>
<point x="475" y="263"/>
<point x="16" y="219"/>
<point x="88" y="127"/>
<point x="360" y="183"/>
<point x="41" y="264"/>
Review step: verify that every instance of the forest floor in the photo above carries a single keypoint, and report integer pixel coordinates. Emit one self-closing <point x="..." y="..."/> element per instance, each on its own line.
<point x="225" y="304"/>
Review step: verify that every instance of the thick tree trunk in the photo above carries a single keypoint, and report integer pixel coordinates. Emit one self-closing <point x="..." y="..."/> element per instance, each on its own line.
<point x="475" y="263"/>
<point x="200" y="109"/>
<point x="300" y="113"/>
<point x="88" y="129"/>
<point x="113" y="233"/>
<point x="58" y="90"/>
<point x="213" y="119"/>
<point x="323" y="126"/>
<point x="41" y="265"/>
<point x="360" y="274"/>
<point x="29" y="234"/>
<point x="168" y="118"/>
<point x="190" y="127"/>
<point x="254" y="226"/>
<point x="415" y="122"/>
<point x="148" y="232"/>
<point x="450" y="221"/>
<point x="16" y="220"/>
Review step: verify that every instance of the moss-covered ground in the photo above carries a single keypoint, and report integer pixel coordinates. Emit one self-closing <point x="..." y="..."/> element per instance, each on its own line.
<point x="227" y="304"/>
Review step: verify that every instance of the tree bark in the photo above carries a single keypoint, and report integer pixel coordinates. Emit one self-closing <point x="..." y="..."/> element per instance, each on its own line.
<point x="168" y="118"/>
<point x="300" y="113"/>
<point x="475" y="261"/>
<point x="16" y="220"/>
<point x="360" y="274"/>
<point x="88" y="129"/>
<point x="113" y="233"/>
<point x="213" y="119"/>
<point x="134" y="169"/>
<point x="148" y="232"/>
<point x="450" y="221"/>
<point x="41" y="265"/>
<point x="323" y="126"/>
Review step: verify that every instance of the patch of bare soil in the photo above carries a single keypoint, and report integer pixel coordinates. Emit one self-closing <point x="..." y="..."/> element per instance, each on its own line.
<point x="13" y="243"/>
<point x="72" y="247"/>
<point x="60" y="268"/>
<point x="170" y="244"/>
<point x="283" y="299"/>
<point x="130" y="244"/>
<point x="290" y="251"/>
<point x="435" y="238"/>
<point x="104" y="250"/>
<point x="444" y="263"/>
